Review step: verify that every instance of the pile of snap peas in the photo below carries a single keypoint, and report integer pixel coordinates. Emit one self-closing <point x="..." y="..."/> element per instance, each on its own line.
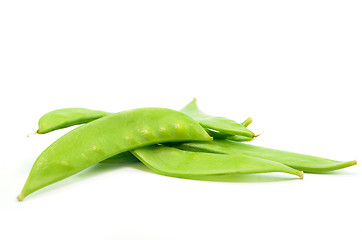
<point x="186" y="144"/>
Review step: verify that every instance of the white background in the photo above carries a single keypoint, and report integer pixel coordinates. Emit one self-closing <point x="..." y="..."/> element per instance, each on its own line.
<point x="294" y="66"/>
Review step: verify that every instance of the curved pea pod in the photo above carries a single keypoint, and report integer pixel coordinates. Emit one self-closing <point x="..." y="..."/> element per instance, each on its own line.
<point x="106" y="137"/>
<point x="67" y="117"/>
<point x="298" y="161"/>
<point x="178" y="163"/>
<point x="220" y="124"/>
<point x="128" y="157"/>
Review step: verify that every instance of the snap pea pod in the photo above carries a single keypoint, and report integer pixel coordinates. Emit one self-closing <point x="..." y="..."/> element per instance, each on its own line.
<point x="220" y="124"/>
<point x="67" y="117"/>
<point x="106" y="137"/>
<point x="128" y="157"/>
<point x="178" y="163"/>
<point x="298" y="161"/>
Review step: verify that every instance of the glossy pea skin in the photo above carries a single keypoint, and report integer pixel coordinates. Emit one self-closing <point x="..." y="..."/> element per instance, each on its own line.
<point x="185" y="164"/>
<point x="106" y="137"/>
<point x="298" y="161"/>
<point x="220" y="124"/>
<point x="67" y="117"/>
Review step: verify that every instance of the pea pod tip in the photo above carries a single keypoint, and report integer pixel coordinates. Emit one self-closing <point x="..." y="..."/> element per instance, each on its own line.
<point x="257" y="135"/>
<point x="29" y="134"/>
<point x="301" y="174"/>
<point x="20" y="197"/>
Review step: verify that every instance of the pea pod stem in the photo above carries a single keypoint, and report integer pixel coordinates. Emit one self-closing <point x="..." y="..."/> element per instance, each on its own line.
<point x="247" y="122"/>
<point x="29" y="134"/>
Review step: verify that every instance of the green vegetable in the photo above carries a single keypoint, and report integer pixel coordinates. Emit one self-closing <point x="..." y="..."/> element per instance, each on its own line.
<point x="298" y="161"/>
<point x="178" y="163"/>
<point x="106" y="137"/>
<point x="173" y="143"/>
<point x="66" y="117"/>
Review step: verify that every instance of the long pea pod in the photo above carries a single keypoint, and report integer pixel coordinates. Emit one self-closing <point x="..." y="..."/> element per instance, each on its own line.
<point x="185" y="164"/>
<point x="298" y="161"/>
<point x="67" y="117"/>
<point x="220" y="124"/>
<point x="106" y="137"/>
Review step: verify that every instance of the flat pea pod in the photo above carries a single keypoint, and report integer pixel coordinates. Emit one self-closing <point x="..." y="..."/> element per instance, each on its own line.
<point x="220" y="124"/>
<point x="67" y="117"/>
<point x="185" y="164"/>
<point x="106" y="137"/>
<point x="298" y="161"/>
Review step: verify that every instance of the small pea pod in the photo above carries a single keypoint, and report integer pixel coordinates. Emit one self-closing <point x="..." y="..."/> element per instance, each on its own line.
<point x="178" y="163"/>
<point x="298" y="161"/>
<point x="220" y="124"/>
<point x="67" y="117"/>
<point x="106" y="137"/>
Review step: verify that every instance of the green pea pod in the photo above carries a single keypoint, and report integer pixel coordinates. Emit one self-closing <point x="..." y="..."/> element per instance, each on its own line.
<point x="106" y="137"/>
<point x="220" y="124"/>
<point x="298" y="161"/>
<point x="178" y="163"/>
<point x="128" y="157"/>
<point x="67" y="117"/>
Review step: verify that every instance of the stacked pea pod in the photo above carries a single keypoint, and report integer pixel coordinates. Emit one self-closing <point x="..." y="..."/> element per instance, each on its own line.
<point x="186" y="143"/>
